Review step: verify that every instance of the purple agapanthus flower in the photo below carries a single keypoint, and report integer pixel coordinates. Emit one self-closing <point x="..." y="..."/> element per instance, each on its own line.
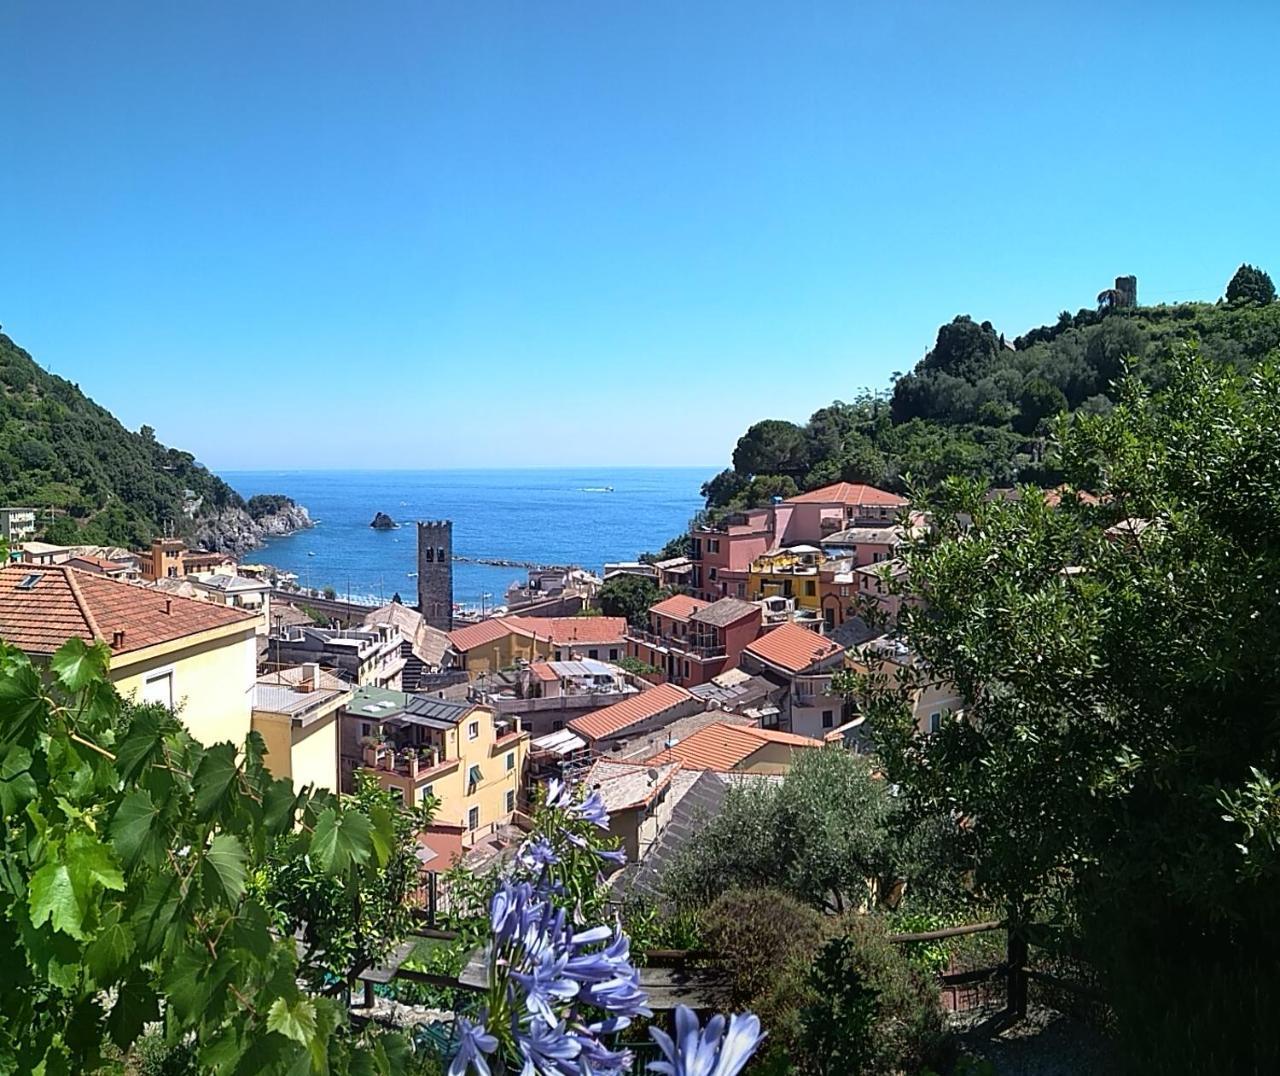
<point x="566" y="987"/>
<point x="709" y="1051"/>
<point x="474" y="1042"/>
<point x="537" y="854"/>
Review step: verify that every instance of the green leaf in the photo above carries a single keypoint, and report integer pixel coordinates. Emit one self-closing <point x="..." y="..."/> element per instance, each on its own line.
<point x="155" y="913"/>
<point x="136" y="1005"/>
<point x="21" y="701"/>
<point x="187" y="984"/>
<point x="383" y="834"/>
<point x="108" y="952"/>
<point x="92" y="861"/>
<point x="77" y="664"/>
<point x="17" y="786"/>
<point x="133" y="830"/>
<point x="294" y="1020"/>
<point x="279" y="806"/>
<point x="224" y="867"/>
<point x="341" y="839"/>
<point x="213" y="778"/>
<point x="142" y="744"/>
<point x="54" y="897"/>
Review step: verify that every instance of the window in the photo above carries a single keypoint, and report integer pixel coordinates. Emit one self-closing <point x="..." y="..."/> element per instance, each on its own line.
<point x="397" y="794"/>
<point x="594" y="655"/>
<point x="511" y="802"/>
<point x="474" y="776"/>
<point x="556" y="726"/>
<point x="159" y="688"/>
<point x="935" y="721"/>
<point x="711" y="574"/>
<point x="810" y="588"/>
<point x="511" y="761"/>
<point x="428" y="791"/>
<point x="473" y="730"/>
<point x="473" y="818"/>
<point x="613" y="653"/>
<point x="828" y="719"/>
<point x="742" y="590"/>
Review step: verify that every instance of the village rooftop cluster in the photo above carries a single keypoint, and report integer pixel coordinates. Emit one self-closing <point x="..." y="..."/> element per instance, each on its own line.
<point x="728" y="677"/>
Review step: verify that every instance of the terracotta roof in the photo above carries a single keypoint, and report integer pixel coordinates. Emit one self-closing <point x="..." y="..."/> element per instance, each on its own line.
<point x="560" y="630"/>
<point x="64" y="602"/>
<point x="679" y="606"/>
<point x="473" y="635"/>
<point x="725" y="747"/>
<point x="850" y="494"/>
<point x="101" y="564"/>
<point x="567" y="630"/>
<point x="632" y="711"/>
<point x="792" y="647"/>
<point x="543" y="671"/>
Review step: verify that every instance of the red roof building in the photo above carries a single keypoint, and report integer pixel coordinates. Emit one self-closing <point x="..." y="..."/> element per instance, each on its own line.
<point x="690" y="641"/>
<point x="648" y="710"/>
<point x="736" y="749"/>
<point x="804" y="663"/>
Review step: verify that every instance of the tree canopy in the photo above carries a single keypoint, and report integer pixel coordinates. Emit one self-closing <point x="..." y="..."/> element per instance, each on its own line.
<point x="630" y="596"/>
<point x="976" y="405"/>
<point x="1116" y="763"/>
<point x="1250" y="285"/>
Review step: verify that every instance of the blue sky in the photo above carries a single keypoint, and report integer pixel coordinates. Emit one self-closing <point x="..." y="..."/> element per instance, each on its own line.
<point x="539" y="234"/>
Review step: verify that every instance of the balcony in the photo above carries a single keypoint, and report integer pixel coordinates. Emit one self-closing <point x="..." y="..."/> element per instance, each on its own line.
<point x="685" y="646"/>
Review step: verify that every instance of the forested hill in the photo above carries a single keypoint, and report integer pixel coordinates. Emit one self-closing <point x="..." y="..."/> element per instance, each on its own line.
<point x="106" y="485"/>
<point x="978" y="404"/>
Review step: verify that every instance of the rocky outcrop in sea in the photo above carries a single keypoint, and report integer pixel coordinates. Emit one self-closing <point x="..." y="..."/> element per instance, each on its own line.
<point x="234" y="531"/>
<point x="383" y="522"/>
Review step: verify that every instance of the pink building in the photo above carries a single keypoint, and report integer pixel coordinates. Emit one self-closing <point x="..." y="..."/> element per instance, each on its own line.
<point x="821" y="512"/>
<point x="722" y="553"/>
<point x="690" y="640"/>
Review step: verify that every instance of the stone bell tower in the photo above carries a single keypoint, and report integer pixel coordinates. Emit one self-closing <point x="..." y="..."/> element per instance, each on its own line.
<point x="435" y="573"/>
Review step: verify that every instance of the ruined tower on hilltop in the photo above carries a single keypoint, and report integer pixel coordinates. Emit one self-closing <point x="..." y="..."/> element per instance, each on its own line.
<point x="435" y="573"/>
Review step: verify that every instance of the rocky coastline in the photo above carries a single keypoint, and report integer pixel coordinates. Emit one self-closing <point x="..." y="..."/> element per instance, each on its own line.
<point x="236" y="532"/>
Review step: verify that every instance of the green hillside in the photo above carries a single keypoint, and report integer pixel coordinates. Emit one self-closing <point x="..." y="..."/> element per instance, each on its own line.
<point x="59" y="450"/>
<point x="980" y="405"/>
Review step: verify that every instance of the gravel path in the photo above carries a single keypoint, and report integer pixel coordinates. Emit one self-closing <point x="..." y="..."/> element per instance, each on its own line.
<point x="1046" y="1043"/>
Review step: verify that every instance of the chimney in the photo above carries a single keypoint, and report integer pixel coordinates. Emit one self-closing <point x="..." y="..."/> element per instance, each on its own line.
<point x="117" y="639"/>
<point x="310" y="676"/>
<point x="168" y="607"/>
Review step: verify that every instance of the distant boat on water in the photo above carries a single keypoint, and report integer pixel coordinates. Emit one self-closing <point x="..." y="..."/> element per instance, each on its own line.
<point x="597" y="489"/>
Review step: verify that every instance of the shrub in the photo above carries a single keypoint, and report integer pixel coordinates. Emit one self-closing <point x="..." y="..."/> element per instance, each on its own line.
<point x="152" y="1056"/>
<point x="869" y="1010"/>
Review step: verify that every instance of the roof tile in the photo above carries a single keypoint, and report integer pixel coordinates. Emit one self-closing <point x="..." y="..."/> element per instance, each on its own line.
<point x="632" y="711"/>
<point x="725" y="747"/>
<point x="792" y="647"/>
<point x="65" y="603"/>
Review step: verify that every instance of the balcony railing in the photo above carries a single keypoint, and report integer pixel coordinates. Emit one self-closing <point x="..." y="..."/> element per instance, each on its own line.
<point x="678" y="644"/>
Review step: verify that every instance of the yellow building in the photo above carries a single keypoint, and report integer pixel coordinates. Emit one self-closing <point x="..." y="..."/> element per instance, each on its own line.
<point x="194" y="657"/>
<point x="471" y="760"/>
<point x="298" y="713"/>
<point x="490" y="646"/>
<point x="788" y="573"/>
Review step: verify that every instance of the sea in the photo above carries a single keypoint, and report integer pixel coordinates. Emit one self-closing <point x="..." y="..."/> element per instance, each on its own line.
<point x="582" y="516"/>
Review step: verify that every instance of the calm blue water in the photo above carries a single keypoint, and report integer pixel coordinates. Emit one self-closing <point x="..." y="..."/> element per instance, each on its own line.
<point x="549" y="516"/>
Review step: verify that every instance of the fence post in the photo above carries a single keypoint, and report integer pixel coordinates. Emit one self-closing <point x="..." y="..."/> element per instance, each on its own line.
<point x="432" y="876"/>
<point x="1016" y="998"/>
